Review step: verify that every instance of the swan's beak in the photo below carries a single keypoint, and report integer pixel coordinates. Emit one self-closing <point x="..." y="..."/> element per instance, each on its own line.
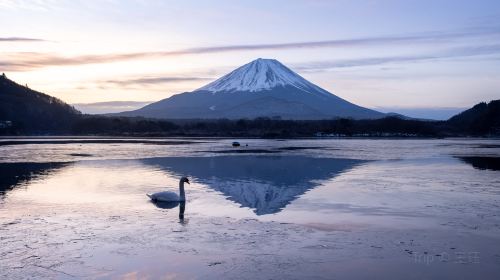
<point x="187" y="181"/>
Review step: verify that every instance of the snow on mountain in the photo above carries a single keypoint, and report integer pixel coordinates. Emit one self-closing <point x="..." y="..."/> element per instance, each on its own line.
<point x="260" y="74"/>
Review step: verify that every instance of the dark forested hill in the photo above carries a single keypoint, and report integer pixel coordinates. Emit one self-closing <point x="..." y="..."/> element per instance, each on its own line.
<point x="23" y="110"/>
<point x="483" y="118"/>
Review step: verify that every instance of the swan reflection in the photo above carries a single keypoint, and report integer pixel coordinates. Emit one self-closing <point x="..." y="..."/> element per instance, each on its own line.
<point x="172" y="205"/>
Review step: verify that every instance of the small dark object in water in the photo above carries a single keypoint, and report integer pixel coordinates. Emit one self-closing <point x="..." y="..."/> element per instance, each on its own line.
<point x="214" y="263"/>
<point x="236" y="144"/>
<point x="80" y="155"/>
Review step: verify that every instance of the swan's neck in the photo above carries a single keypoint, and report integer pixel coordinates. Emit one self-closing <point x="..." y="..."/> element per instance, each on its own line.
<point x="182" y="194"/>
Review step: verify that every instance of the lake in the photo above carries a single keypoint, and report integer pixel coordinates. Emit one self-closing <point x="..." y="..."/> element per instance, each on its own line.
<point x="289" y="209"/>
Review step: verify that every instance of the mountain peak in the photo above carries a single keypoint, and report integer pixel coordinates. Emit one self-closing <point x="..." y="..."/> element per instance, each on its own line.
<point x="258" y="75"/>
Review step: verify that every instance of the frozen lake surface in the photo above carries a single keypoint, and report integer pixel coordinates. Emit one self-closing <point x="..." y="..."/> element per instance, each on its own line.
<point x="329" y="208"/>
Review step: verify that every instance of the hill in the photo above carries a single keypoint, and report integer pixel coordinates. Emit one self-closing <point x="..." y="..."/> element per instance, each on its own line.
<point x="482" y="119"/>
<point x="28" y="111"/>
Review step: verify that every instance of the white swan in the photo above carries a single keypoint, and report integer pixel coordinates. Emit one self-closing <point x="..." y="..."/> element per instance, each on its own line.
<point x="171" y="196"/>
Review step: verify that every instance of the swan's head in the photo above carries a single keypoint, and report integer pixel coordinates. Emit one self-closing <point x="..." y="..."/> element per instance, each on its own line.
<point x="184" y="180"/>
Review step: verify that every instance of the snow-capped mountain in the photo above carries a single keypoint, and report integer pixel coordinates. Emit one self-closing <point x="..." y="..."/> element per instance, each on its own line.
<point x="261" y="88"/>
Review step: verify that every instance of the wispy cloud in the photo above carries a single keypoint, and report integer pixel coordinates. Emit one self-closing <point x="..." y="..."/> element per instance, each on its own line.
<point x="115" y="103"/>
<point x="435" y="113"/>
<point x="38" y="5"/>
<point x="371" y="61"/>
<point x="110" y="106"/>
<point x="20" y="39"/>
<point x="153" y="80"/>
<point x="22" y="61"/>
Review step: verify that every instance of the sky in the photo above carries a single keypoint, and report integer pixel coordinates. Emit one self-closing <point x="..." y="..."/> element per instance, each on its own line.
<point x="426" y="58"/>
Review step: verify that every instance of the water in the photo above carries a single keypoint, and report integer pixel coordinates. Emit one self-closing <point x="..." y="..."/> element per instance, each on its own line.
<point x="347" y="208"/>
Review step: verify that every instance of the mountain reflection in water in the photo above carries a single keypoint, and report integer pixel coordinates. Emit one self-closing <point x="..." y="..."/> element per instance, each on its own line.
<point x="482" y="163"/>
<point x="14" y="174"/>
<point x="264" y="183"/>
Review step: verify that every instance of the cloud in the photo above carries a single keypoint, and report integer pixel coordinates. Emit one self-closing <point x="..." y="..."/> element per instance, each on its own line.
<point x="153" y="80"/>
<point x="20" y="39"/>
<point x="12" y="66"/>
<point x="345" y="63"/>
<point x="114" y="103"/>
<point x="22" y="61"/>
<point x="434" y="113"/>
<point x="38" y="5"/>
<point x="110" y="106"/>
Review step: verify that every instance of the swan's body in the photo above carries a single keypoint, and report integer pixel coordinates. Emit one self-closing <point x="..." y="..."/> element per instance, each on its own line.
<point x="169" y="196"/>
<point x="165" y="196"/>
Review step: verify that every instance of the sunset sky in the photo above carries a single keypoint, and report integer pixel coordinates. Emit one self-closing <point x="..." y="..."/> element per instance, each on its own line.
<point x="395" y="55"/>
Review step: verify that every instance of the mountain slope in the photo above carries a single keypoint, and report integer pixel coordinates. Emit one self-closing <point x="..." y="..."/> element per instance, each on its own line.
<point x="481" y="119"/>
<point x="30" y="111"/>
<point x="261" y="88"/>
